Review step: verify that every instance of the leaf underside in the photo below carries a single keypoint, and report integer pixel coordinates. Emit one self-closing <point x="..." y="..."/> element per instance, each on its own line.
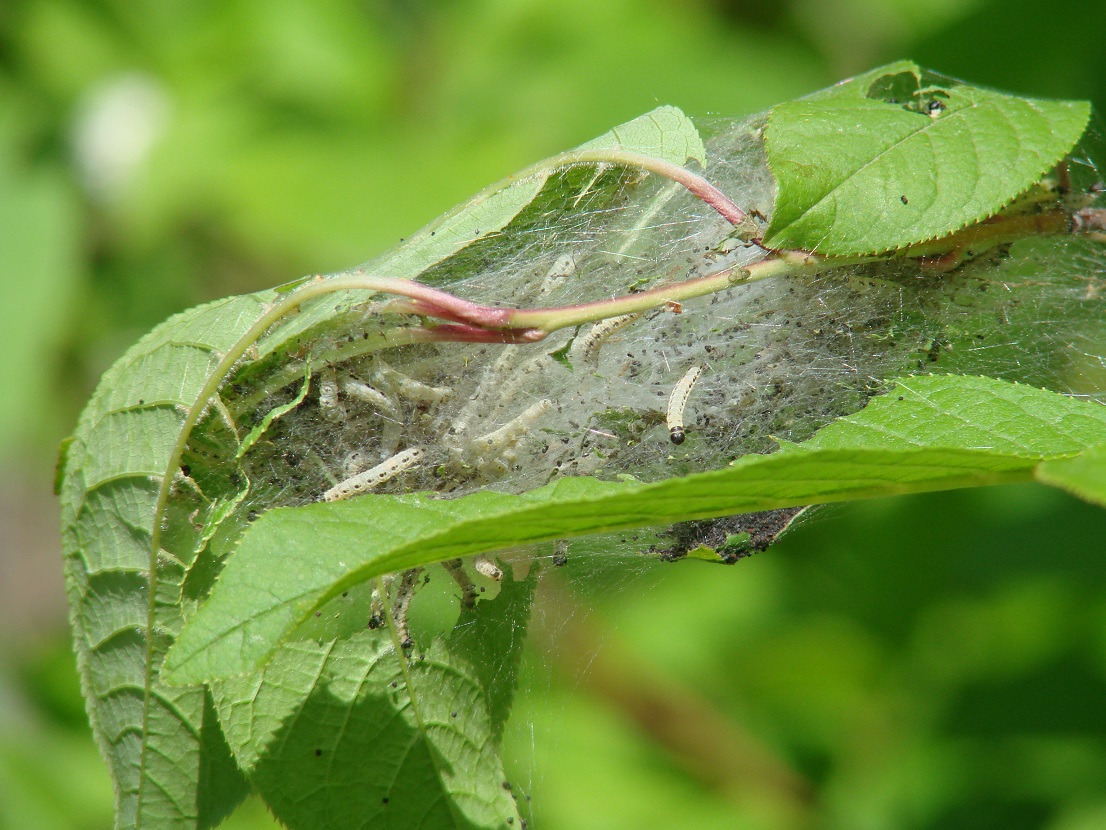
<point x="1083" y="476"/>
<point x="159" y="742"/>
<point x="354" y="733"/>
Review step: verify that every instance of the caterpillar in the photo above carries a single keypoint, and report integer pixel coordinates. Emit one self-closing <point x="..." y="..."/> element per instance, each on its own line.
<point x="598" y="334"/>
<point x="508" y="435"/>
<point x="374" y="398"/>
<point x="485" y="567"/>
<point x="677" y="401"/>
<point x="377" y="475"/>
<point x="328" y="397"/>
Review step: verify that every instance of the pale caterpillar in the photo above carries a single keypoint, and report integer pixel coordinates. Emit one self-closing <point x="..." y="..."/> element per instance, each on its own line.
<point x="377" y="475"/>
<point x="677" y="401"/>
<point x="598" y="334"/>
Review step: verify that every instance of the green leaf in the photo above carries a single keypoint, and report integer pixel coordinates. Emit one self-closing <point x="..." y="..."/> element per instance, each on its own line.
<point x="293" y="560"/>
<point x="664" y="133"/>
<point x="865" y="167"/>
<point x="159" y="485"/>
<point x="354" y="731"/>
<point x="1084" y="475"/>
<point x="273" y="414"/>
<point x="970" y="412"/>
<point x="149" y="504"/>
<point x="126" y="598"/>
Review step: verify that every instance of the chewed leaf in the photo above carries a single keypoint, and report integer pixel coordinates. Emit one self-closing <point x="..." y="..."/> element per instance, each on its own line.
<point x="665" y="133"/>
<point x="266" y="590"/>
<point x="888" y="162"/>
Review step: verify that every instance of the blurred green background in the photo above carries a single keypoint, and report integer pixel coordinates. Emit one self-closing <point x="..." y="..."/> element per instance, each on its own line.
<point x="935" y="662"/>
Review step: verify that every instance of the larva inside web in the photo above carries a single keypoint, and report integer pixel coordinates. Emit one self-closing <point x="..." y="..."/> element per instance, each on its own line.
<point x="677" y="402"/>
<point x="786" y="355"/>
<point x="371" y="478"/>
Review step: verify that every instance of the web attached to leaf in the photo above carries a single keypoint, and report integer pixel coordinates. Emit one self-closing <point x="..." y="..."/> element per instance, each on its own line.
<point x="779" y="359"/>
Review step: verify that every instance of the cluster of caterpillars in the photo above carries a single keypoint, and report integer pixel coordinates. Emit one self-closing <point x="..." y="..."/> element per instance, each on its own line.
<point x="482" y="458"/>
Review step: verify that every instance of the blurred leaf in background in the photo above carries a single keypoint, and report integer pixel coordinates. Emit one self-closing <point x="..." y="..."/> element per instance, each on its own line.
<point x="882" y="671"/>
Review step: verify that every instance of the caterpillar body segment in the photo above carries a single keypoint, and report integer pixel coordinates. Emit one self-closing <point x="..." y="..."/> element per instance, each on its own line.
<point x="528" y="373"/>
<point x="563" y="268"/>
<point x="328" y="397"/>
<point x="408" y="582"/>
<point x="492" y="378"/>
